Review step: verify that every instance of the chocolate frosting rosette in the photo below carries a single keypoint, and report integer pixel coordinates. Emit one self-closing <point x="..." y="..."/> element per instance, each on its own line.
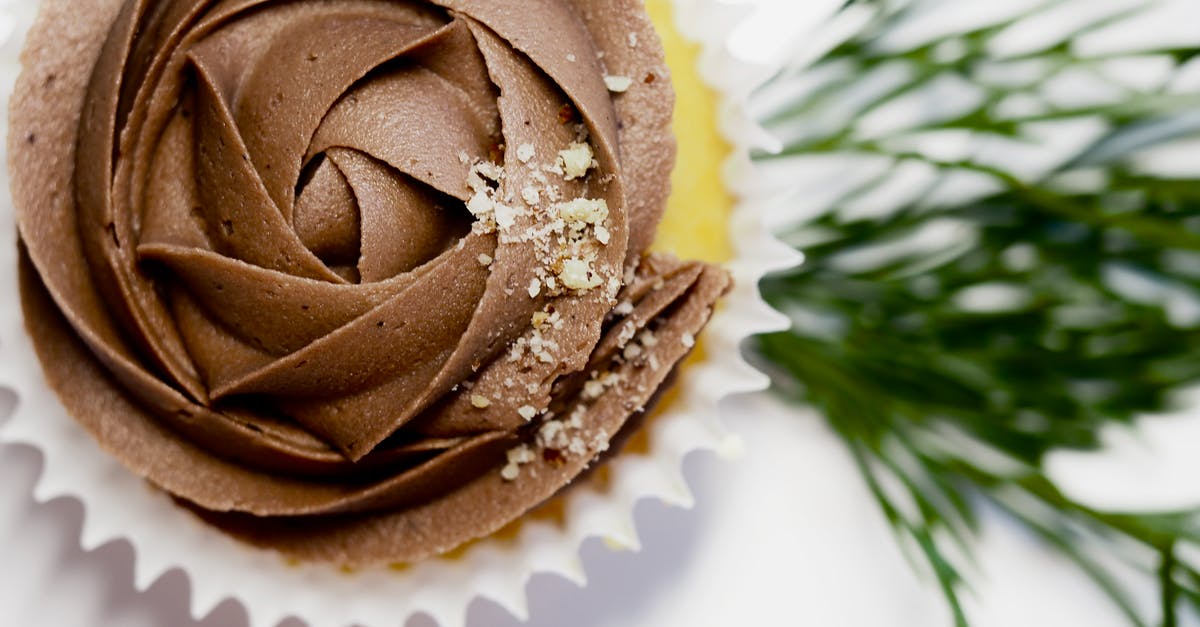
<point x="358" y="280"/>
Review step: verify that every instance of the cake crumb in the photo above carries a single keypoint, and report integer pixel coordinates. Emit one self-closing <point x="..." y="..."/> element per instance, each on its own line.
<point x="576" y="160"/>
<point x="627" y="332"/>
<point x="618" y="84"/>
<point x="521" y="455"/>
<point x="506" y="216"/>
<point x="551" y="434"/>
<point x="603" y="236"/>
<point x="489" y="170"/>
<point x="577" y="274"/>
<point x="517" y="457"/>
<point x="583" y="211"/>
<point x="614" y="286"/>
<point x="593" y="389"/>
<point x="531" y="195"/>
<point x="481" y="205"/>
<point x="478" y="401"/>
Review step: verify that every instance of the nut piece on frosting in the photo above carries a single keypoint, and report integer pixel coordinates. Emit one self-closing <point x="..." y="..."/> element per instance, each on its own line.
<point x="358" y="282"/>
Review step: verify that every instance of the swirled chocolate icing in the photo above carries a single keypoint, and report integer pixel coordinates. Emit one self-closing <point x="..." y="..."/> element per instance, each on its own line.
<point x="359" y="280"/>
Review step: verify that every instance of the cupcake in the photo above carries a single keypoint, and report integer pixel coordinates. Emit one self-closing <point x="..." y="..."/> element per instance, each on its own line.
<point x="356" y="281"/>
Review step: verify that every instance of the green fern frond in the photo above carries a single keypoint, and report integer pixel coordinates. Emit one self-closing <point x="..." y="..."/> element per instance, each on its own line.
<point x="1007" y="260"/>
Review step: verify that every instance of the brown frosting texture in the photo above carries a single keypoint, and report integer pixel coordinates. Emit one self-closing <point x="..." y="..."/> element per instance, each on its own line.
<point x="360" y="280"/>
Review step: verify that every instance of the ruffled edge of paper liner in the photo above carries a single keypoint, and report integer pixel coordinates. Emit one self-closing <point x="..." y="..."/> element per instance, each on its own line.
<point x="120" y="507"/>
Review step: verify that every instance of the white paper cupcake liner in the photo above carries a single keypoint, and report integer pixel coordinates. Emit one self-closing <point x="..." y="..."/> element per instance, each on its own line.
<point x="119" y="506"/>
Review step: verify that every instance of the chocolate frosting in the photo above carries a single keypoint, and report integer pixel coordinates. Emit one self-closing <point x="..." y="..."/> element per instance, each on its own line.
<point x="359" y="280"/>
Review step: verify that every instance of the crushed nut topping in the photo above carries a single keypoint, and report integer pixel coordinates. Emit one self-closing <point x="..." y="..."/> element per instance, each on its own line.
<point x="576" y="160"/>
<point x="618" y="84"/>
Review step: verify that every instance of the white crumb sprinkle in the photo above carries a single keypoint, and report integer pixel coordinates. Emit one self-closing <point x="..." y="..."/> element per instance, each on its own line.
<point x="633" y="40"/>
<point x="481" y="205"/>
<point x="527" y="412"/>
<point x="577" y="274"/>
<point x="575" y="420"/>
<point x="531" y="196"/>
<point x="521" y="455"/>
<point x="576" y="160"/>
<point x="627" y="332"/>
<point x="506" y="216"/>
<point x="614" y="286"/>
<point x="603" y="236"/>
<point x="618" y="84"/>
<point x="549" y="434"/>
<point x="479" y="401"/>
<point x="593" y="389"/>
<point x="517" y="457"/>
<point x="572" y="58"/>
<point x="491" y="171"/>
<point x="688" y="340"/>
<point x="535" y="288"/>
<point x="485" y="260"/>
<point x="526" y="152"/>
<point x="584" y="210"/>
